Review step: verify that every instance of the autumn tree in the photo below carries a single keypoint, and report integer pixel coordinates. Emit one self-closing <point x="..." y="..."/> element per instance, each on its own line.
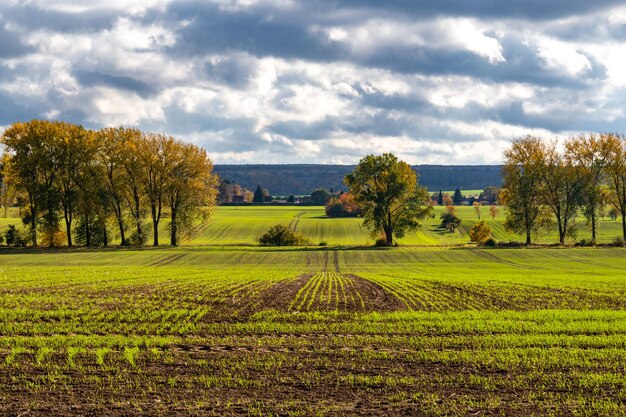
<point x="30" y="167"/>
<point x="521" y="181"/>
<point x="191" y="188"/>
<point x="110" y="160"/>
<point x="134" y="178"/>
<point x="75" y="152"/>
<point x="590" y="153"/>
<point x="480" y="232"/>
<point x="560" y="188"/>
<point x="477" y="208"/>
<point x="493" y="211"/>
<point x="616" y="173"/>
<point x="390" y="197"/>
<point x="156" y="155"/>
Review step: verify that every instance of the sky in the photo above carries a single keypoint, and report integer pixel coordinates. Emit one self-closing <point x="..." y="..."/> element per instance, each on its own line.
<point x="321" y="81"/>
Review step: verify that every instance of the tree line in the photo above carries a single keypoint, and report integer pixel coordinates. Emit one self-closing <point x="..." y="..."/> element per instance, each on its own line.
<point x="547" y="186"/>
<point x="62" y="173"/>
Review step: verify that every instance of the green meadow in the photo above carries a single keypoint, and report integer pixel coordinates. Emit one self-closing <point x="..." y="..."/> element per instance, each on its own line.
<point x="243" y="226"/>
<point x="222" y="326"/>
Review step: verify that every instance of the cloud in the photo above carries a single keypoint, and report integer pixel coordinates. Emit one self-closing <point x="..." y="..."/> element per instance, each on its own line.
<point x="325" y="81"/>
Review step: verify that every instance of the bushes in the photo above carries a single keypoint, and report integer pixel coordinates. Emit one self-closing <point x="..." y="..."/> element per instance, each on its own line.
<point x="480" y="232"/>
<point x="13" y="237"/>
<point x="280" y="235"/>
<point x="344" y="206"/>
<point x="450" y="221"/>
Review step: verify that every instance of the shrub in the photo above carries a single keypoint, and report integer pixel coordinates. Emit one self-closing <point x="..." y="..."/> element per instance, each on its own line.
<point x="490" y="242"/>
<point x="480" y="232"/>
<point x="323" y="243"/>
<point x="450" y="221"/>
<point x="344" y="206"/>
<point x="13" y="237"/>
<point x="381" y="242"/>
<point x="618" y="241"/>
<point x="280" y="235"/>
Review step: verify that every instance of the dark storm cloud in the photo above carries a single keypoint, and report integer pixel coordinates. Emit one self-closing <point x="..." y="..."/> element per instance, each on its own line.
<point x="30" y="17"/>
<point x="512" y="9"/>
<point x="12" y="110"/>
<point x="271" y="79"/>
<point x="212" y="30"/>
<point x="91" y="78"/>
<point x="11" y="43"/>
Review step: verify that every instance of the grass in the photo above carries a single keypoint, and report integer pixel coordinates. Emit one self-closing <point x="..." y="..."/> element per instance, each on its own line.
<point x="313" y="331"/>
<point x="231" y="225"/>
<point x="243" y="226"/>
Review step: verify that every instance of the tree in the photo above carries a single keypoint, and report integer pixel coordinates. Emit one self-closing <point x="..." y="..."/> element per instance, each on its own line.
<point x="388" y="192"/>
<point x="31" y="168"/>
<point x="480" y="232"/>
<point x="477" y="207"/>
<point x="560" y="188"/>
<point x="493" y="210"/>
<point x="449" y="221"/>
<point x="590" y="155"/>
<point x="458" y="197"/>
<point x="191" y="189"/>
<point x="440" y="198"/>
<point x="134" y="179"/>
<point x="75" y="152"/>
<point x="156" y="154"/>
<point x="521" y="182"/>
<point x="344" y="206"/>
<point x="320" y="197"/>
<point x="490" y="194"/>
<point x="447" y="200"/>
<point x="110" y="164"/>
<point x="259" y="195"/>
<point x="616" y="173"/>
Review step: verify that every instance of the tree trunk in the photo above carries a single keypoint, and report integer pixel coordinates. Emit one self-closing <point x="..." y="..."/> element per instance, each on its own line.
<point x="624" y="225"/>
<point x="120" y="224"/>
<point x="173" y="237"/>
<point x="593" y="228"/>
<point x="389" y="230"/>
<point x="138" y="218"/>
<point x="105" y="236"/>
<point x="561" y="230"/>
<point x="87" y="231"/>
<point x="155" y="225"/>
<point x="68" y="229"/>
<point x="528" y="242"/>
<point x="33" y="222"/>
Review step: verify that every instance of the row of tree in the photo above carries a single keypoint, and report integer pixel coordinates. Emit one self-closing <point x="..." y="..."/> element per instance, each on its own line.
<point x="544" y="184"/>
<point x="61" y="172"/>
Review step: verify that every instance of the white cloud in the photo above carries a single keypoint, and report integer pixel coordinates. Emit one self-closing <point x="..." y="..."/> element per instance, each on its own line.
<point x="458" y="89"/>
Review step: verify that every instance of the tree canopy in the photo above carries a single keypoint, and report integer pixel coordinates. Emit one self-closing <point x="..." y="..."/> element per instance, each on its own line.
<point x="63" y="171"/>
<point x="387" y="190"/>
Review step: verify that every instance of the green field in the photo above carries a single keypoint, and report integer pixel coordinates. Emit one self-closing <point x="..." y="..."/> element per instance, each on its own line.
<point x="244" y="225"/>
<point x="231" y="225"/>
<point x="260" y="331"/>
<point x="430" y="328"/>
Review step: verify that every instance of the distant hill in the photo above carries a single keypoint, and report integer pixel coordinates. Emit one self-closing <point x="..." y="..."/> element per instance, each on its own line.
<point x="302" y="179"/>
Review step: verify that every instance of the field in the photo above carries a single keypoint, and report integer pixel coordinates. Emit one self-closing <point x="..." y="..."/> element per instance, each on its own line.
<point x="231" y="225"/>
<point x="435" y="329"/>
<point x="257" y="331"/>
<point x="244" y="225"/>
